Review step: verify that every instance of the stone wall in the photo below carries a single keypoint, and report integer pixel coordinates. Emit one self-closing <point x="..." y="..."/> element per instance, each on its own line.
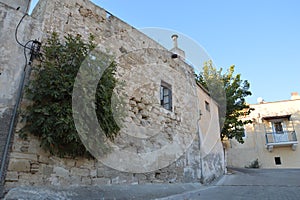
<point x="169" y="144"/>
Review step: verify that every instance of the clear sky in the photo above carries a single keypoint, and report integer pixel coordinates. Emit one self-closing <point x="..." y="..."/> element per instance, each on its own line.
<point x="260" y="37"/>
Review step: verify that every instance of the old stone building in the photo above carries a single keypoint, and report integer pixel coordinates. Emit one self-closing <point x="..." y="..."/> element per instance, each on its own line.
<point x="164" y="139"/>
<point x="271" y="139"/>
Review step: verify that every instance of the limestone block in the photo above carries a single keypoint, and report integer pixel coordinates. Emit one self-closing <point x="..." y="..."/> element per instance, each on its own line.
<point x="43" y="155"/>
<point x="101" y="181"/>
<point x="145" y="122"/>
<point x="116" y="180"/>
<point x="139" y="116"/>
<point x="27" y="156"/>
<point x="93" y="173"/>
<point x="46" y="170"/>
<point x="12" y="176"/>
<point x="86" y="181"/>
<point x="54" y="180"/>
<point x="124" y="178"/>
<point x="43" y="159"/>
<point x="69" y="162"/>
<point x="74" y="180"/>
<point x="144" y="114"/>
<point x="19" y="165"/>
<point x="157" y="181"/>
<point x="149" y="108"/>
<point x="9" y="185"/>
<point x="141" y="178"/>
<point x="137" y="98"/>
<point x="132" y="103"/>
<point x="61" y="172"/>
<point x="141" y="106"/>
<point x="34" y="146"/>
<point x="135" y="110"/>
<point x="30" y="179"/>
<point x="128" y="119"/>
<point x="83" y="162"/>
<point x="80" y="171"/>
<point x="20" y="145"/>
<point x="104" y="172"/>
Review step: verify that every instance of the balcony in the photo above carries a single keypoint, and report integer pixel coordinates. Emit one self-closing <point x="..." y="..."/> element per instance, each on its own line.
<point x="283" y="138"/>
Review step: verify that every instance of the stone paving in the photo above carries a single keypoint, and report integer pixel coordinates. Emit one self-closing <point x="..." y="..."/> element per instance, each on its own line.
<point x="241" y="184"/>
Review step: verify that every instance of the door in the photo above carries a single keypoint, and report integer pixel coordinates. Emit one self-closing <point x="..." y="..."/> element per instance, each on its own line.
<point x="279" y="133"/>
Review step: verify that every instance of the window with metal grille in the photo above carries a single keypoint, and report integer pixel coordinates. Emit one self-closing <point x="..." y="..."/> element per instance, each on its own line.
<point x="166" y="95"/>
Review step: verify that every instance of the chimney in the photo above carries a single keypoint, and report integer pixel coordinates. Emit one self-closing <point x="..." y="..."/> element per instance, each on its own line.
<point x="174" y="38"/>
<point x="175" y="49"/>
<point x="260" y="100"/>
<point x="294" y="96"/>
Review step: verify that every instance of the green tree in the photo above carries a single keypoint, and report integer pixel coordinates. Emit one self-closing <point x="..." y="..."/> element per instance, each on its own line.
<point x="50" y="90"/>
<point x="229" y="90"/>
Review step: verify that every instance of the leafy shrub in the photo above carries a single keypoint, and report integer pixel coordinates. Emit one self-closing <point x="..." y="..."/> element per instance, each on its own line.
<point x="254" y="164"/>
<point x="50" y="115"/>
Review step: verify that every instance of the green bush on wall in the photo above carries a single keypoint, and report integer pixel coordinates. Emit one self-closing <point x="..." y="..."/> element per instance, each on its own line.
<point x="50" y="115"/>
<point x="254" y="164"/>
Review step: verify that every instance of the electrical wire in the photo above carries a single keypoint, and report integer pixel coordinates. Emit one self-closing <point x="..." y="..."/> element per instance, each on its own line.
<point x="31" y="48"/>
<point x="16" y="32"/>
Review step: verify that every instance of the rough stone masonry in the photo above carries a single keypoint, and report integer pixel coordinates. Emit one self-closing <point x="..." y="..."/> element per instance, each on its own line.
<point x="143" y="64"/>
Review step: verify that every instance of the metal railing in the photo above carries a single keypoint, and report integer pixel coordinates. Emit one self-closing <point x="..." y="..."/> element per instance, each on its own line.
<point x="281" y="137"/>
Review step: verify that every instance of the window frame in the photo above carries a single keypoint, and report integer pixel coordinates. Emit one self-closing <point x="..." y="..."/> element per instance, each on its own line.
<point x="277" y="160"/>
<point x="166" y="96"/>
<point x="207" y="106"/>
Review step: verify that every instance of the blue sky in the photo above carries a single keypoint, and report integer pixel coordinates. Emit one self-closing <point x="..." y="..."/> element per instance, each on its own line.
<point x="261" y="38"/>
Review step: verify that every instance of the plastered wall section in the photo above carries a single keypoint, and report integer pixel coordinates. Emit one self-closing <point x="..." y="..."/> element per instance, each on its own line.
<point x="241" y="155"/>
<point x="212" y="152"/>
<point x="12" y="61"/>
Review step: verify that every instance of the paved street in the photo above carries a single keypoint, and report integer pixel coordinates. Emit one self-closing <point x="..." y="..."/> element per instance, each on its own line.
<point x="249" y="184"/>
<point x="241" y="184"/>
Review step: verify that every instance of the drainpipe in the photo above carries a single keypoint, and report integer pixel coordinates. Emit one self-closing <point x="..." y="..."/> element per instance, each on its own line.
<point x="200" y="142"/>
<point x="11" y="129"/>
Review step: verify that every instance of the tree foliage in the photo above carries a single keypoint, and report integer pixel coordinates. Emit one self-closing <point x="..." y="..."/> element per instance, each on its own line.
<point x="50" y="115"/>
<point x="229" y="91"/>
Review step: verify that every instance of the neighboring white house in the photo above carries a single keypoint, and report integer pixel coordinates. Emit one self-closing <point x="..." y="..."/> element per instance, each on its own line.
<point x="272" y="138"/>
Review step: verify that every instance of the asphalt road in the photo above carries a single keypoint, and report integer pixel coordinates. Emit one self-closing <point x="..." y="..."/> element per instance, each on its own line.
<point x="249" y="184"/>
<point x="241" y="184"/>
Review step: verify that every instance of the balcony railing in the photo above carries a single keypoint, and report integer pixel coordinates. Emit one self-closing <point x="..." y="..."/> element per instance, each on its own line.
<point x="285" y="138"/>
